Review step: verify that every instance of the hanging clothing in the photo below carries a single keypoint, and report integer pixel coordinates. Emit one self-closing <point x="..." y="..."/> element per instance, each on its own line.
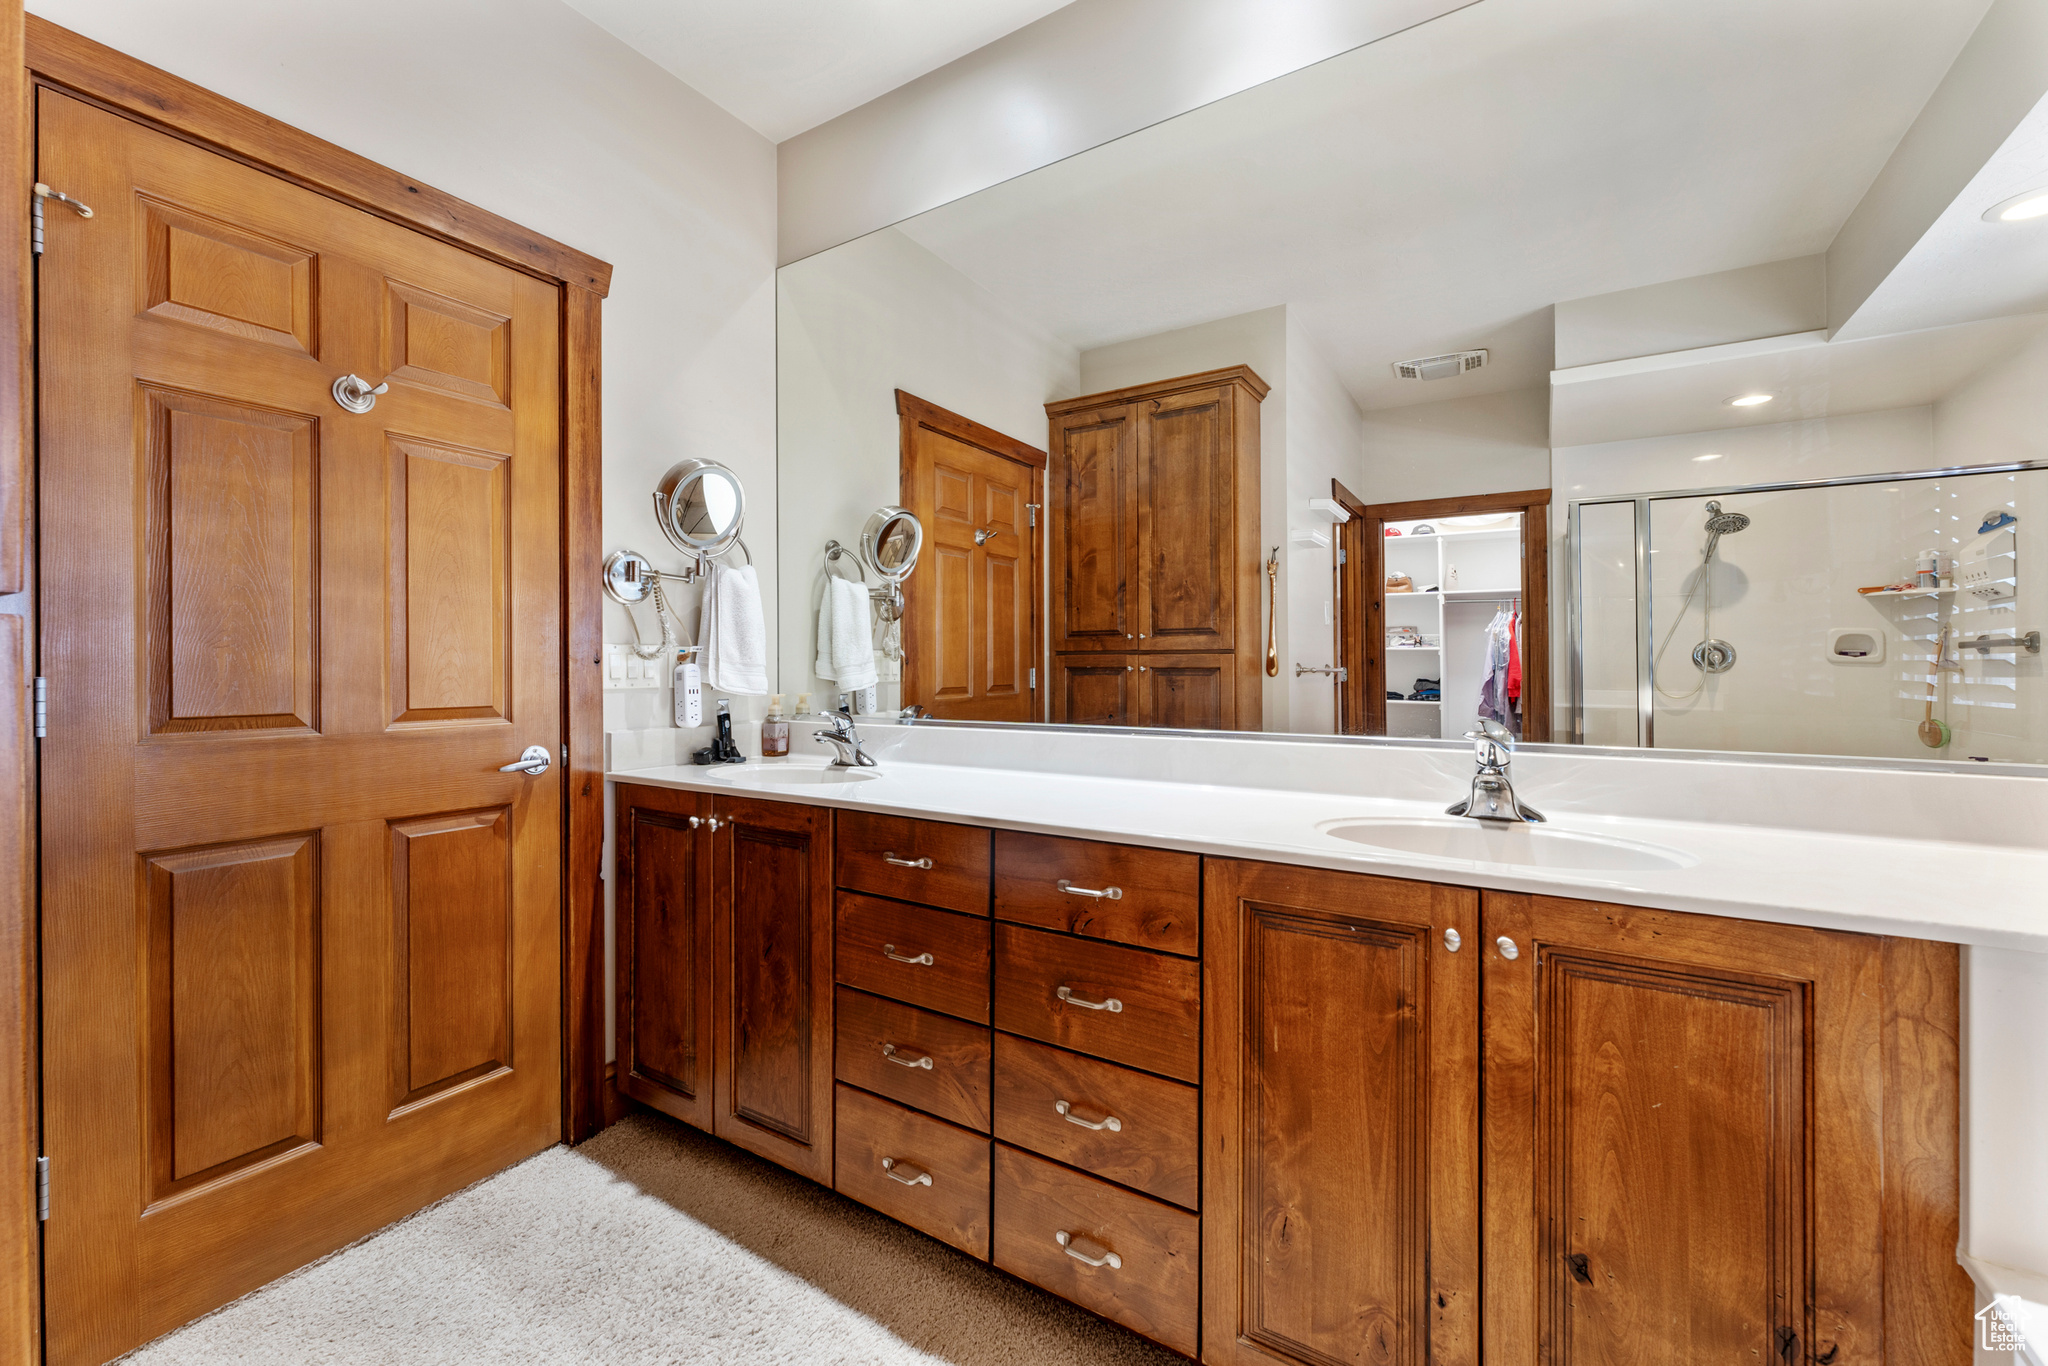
<point x="1495" y="702"/>
<point x="1515" y="657"/>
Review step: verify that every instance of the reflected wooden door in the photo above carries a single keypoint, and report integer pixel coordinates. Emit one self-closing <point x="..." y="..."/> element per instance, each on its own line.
<point x="301" y="937"/>
<point x="971" y="626"/>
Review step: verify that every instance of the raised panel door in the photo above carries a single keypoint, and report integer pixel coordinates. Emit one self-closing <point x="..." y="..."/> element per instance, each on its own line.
<point x="1095" y="690"/>
<point x="301" y="959"/>
<point x="1185" y="559"/>
<point x="1093" y="485"/>
<point x="772" y="899"/>
<point x="663" y="950"/>
<point x="1340" y="1186"/>
<point x="1683" y="1138"/>
<point x="1188" y="692"/>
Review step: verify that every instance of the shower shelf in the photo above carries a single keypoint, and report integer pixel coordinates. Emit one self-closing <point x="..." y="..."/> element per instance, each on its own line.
<point x="1908" y="593"/>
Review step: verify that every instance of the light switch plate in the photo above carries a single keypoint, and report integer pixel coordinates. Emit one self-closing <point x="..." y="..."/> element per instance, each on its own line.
<point x="625" y="670"/>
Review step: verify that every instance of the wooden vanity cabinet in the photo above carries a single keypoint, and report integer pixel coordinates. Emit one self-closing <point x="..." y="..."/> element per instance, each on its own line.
<point x="723" y="923"/>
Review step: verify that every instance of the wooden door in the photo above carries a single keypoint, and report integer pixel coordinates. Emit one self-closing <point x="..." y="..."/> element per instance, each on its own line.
<point x="1093" y="490"/>
<point x="1185" y="563"/>
<point x="1095" y="690"/>
<point x="1340" y="1097"/>
<point x="1683" y="1137"/>
<point x="663" y="948"/>
<point x="772" y="893"/>
<point x="301" y="937"/>
<point x="1188" y="692"/>
<point x="972" y="638"/>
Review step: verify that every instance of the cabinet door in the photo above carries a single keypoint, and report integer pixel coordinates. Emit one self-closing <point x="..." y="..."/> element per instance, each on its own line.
<point x="1092" y="486"/>
<point x="1340" y="1186"/>
<point x="1683" y="1130"/>
<point x="1186" y="567"/>
<point x="772" y="887"/>
<point x="1188" y="692"/>
<point x="1095" y="690"/>
<point x="662" y="914"/>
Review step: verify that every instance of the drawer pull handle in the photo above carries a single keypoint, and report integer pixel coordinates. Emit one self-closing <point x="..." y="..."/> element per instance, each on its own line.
<point x="1109" y="1122"/>
<point x="1106" y="894"/>
<point x="905" y="1173"/>
<point x="1112" y="1005"/>
<point x="1073" y="1247"/>
<point x="890" y="857"/>
<point x="923" y="960"/>
<point x="889" y="1052"/>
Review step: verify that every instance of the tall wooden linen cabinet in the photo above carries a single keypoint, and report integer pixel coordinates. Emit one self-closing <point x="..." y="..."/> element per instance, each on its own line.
<point x="1154" y="510"/>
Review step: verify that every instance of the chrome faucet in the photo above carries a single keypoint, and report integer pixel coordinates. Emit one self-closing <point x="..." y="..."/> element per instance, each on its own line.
<point x="845" y="740"/>
<point x="1493" y="796"/>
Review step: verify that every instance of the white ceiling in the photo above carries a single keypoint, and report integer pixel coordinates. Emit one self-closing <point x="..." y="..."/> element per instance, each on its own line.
<point x="782" y="66"/>
<point x="1440" y="189"/>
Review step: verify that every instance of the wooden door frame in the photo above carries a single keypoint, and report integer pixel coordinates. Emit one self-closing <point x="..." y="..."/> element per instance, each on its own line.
<point x="1534" y="505"/>
<point x="43" y="55"/>
<point x="1354" y="552"/>
<point x="913" y="412"/>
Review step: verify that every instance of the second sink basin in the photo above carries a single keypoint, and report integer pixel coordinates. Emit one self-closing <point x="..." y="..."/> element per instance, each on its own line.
<point x="1520" y="845"/>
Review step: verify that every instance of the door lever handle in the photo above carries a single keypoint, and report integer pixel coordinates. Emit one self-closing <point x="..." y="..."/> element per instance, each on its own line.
<point x="532" y="761"/>
<point x="354" y="393"/>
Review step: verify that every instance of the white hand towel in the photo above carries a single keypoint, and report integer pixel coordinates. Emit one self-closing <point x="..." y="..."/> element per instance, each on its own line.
<point x="734" y="632"/>
<point x="846" y="636"/>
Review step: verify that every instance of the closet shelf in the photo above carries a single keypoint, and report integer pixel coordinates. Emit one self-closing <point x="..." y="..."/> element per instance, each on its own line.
<point x="1410" y="702"/>
<point x="1473" y="594"/>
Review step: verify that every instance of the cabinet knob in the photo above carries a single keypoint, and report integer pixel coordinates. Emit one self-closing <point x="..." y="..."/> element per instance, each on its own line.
<point x="712" y="823"/>
<point x="1507" y="948"/>
<point x="695" y="822"/>
<point x="1452" y="940"/>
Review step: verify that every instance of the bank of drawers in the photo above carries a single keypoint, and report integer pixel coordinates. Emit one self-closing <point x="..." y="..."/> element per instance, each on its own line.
<point x="1089" y="973"/>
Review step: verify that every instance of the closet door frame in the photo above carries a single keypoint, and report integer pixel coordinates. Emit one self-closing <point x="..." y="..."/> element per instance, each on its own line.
<point x="1366" y="611"/>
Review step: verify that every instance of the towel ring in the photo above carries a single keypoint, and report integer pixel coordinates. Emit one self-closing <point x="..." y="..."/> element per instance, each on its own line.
<point x="834" y="552"/>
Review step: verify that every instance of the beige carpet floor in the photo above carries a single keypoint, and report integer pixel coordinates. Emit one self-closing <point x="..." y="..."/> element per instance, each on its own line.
<point x="649" y="1244"/>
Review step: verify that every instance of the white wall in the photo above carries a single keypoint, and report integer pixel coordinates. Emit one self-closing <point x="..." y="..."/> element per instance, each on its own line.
<point x="1257" y="339"/>
<point x="856" y="324"/>
<point x="1490" y="443"/>
<point x="1323" y="432"/>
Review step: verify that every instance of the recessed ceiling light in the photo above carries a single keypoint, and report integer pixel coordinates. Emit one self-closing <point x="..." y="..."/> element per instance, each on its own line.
<point x="2032" y="204"/>
<point x="1710" y="455"/>
<point x="1749" y="400"/>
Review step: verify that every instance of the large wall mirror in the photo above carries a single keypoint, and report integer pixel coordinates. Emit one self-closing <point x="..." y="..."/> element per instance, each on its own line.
<point x="1416" y="388"/>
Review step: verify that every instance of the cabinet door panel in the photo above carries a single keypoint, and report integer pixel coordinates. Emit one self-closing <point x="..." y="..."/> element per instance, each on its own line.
<point x="1095" y="690"/>
<point x="1187" y="521"/>
<point x="1188" y="692"/>
<point x="1093" y="531"/>
<point x="1684" y="1120"/>
<point x="663" y="918"/>
<point x="1340" y="1097"/>
<point x="772" y="878"/>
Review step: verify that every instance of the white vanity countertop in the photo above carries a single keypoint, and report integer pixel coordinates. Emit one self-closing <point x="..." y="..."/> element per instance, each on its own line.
<point x="1984" y="894"/>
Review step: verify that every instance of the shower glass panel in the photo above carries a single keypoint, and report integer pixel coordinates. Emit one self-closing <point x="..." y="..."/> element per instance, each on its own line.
<point x="1813" y="666"/>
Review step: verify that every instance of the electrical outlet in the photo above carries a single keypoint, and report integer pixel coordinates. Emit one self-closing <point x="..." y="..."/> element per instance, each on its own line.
<point x="624" y="669"/>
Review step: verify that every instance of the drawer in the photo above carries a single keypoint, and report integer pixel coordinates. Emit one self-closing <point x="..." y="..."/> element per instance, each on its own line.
<point x="1049" y="1219"/>
<point x="934" y="1062"/>
<point x="1148" y="897"/>
<point x="1125" y="1126"/>
<point x="930" y="1174"/>
<point x="912" y="860"/>
<point x="934" y="959"/>
<point x="1146" y="1011"/>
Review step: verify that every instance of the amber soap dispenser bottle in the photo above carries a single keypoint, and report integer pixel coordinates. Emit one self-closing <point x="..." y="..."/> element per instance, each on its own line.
<point x="775" y="730"/>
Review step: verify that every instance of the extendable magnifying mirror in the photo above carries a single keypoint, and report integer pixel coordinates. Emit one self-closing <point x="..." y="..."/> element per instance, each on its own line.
<point x="700" y="506"/>
<point x="890" y="543"/>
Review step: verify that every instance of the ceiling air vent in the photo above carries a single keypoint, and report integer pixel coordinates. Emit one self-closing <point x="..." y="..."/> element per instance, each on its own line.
<point x="1440" y="367"/>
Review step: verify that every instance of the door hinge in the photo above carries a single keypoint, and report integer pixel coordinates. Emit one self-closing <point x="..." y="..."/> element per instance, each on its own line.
<point x="35" y="214"/>
<point x="1031" y="509"/>
<point x="1343" y="556"/>
<point x="1034" y="678"/>
<point x="42" y="1189"/>
<point x="42" y="707"/>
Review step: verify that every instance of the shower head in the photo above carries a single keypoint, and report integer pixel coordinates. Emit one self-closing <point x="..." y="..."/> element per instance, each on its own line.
<point x="1721" y="524"/>
<point x="1725" y="523"/>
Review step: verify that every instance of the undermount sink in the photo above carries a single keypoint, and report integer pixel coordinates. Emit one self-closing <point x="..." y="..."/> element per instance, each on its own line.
<point x="1519" y="845"/>
<point x="791" y="775"/>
